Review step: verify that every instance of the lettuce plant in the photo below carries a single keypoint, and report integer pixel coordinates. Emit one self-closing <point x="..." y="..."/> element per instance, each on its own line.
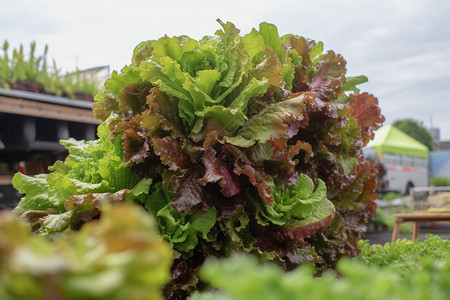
<point x="234" y="143"/>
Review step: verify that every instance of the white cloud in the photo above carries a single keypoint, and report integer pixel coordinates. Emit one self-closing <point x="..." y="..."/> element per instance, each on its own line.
<point x="403" y="46"/>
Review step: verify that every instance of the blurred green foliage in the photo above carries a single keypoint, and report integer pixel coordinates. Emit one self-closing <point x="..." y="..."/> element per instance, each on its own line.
<point x="121" y="256"/>
<point x="440" y="181"/>
<point x="391" y="196"/>
<point x="384" y="218"/>
<point x="398" y="271"/>
<point x="32" y="70"/>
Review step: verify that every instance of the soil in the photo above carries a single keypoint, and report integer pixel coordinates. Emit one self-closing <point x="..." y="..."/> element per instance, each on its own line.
<point x="34" y="87"/>
<point x="83" y="96"/>
<point x="29" y="86"/>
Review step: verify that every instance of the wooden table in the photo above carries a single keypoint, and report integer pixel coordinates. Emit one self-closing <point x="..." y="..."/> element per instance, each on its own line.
<point x="417" y="217"/>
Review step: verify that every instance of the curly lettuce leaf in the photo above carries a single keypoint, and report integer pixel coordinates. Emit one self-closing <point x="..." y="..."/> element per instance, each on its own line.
<point x="329" y="77"/>
<point x="276" y="121"/>
<point x="352" y="81"/>
<point x="80" y="209"/>
<point x="364" y="108"/>
<point x="215" y="75"/>
<point x="229" y="118"/>
<point x="266" y="41"/>
<point x="216" y="171"/>
<point x="190" y="195"/>
<point x="118" y="81"/>
<point x="36" y="188"/>
<point x="297" y="213"/>
<point x="91" y="167"/>
<point x="198" y="74"/>
<point x="296" y="203"/>
<point x="180" y="229"/>
<point x="170" y="153"/>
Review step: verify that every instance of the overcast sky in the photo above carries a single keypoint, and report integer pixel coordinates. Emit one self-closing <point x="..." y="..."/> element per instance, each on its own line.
<point x="402" y="46"/>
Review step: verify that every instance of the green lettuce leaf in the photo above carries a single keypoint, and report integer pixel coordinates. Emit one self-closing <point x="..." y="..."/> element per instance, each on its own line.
<point x="215" y="78"/>
<point x="229" y="118"/>
<point x="37" y="197"/>
<point x="180" y="229"/>
<point x="295" y="204"/>
<point x="272" y="122"/>
<point x="352" y="81"/>
<point x="91" y="167"/>
<point x="83" y="208"/>
<point x="118" y="81"/>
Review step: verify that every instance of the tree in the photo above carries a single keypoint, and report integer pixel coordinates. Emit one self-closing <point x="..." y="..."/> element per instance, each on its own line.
<point x="416" y="130"/>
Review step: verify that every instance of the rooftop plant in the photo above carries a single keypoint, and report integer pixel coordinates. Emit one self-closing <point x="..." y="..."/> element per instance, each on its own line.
<point x="31" y="72"/>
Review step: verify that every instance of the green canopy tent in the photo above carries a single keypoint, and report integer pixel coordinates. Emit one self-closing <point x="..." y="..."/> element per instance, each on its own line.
<point x="389" y="139"/>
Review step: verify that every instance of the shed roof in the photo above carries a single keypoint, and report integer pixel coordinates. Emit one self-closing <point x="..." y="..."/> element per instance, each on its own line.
<point x="389" y="139"/>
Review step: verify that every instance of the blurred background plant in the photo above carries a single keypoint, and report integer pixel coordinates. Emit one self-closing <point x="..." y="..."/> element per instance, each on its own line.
<point x="119" y="256"/>
<point x="384" y="218"/>
<point x="31" y="72"/>
<point x="390" y="196"/>
<point x="440" y="181"/>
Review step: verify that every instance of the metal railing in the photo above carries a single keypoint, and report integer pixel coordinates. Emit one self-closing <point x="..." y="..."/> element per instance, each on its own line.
<point x="46" y="98"/>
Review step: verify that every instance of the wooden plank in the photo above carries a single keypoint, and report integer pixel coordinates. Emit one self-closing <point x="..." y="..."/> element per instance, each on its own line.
<point x="45" y="110"/>
<point x="415" y="232"/>
<point x="396" y="230"/>
<point x="5" y="179"/>
<point x="423" y="216"/>
<point x="416" y="218"/>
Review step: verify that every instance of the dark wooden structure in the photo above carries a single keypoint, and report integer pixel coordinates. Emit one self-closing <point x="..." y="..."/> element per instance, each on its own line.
<point x="31" y="126"/>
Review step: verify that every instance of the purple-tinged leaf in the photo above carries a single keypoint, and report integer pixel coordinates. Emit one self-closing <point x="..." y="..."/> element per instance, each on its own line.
<point x="217" y="171"/>
<point x="170" y="153"/>
<point x="364" y="108"/>
<point x="189" y="193"/>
